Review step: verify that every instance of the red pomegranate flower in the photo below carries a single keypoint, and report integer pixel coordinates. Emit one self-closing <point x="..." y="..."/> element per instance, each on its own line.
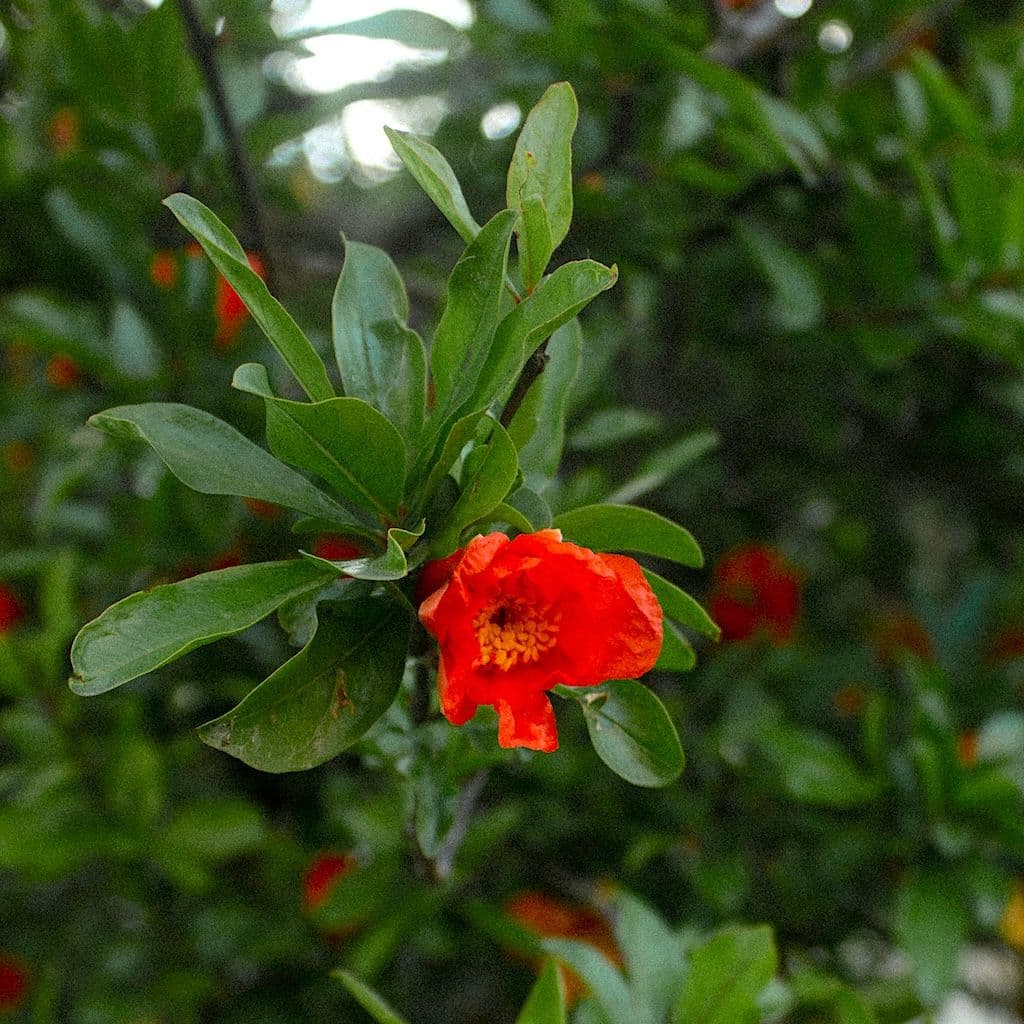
<point x="323" y="873"/>
<point x="335" y="549"/>
<point x="755" y="592"/>
<point x="13" y="983"/>
<point x="515" y="618"/>
<point x="11" y="611"/>
<point x="229" y="309"/>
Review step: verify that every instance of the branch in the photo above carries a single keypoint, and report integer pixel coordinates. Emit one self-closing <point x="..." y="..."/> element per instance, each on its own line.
<point x="530" y="372"/>
<point x="445" y="859"/>
<point x="238" y="162"/>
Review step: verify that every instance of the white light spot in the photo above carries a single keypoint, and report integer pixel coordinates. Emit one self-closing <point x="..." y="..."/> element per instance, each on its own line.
<point x="793" y="8"/>
<point x="501" y="120"/>
<point x="218" y="26"/>
<point x="835" y="36"/>
<point x="362" y="126"/>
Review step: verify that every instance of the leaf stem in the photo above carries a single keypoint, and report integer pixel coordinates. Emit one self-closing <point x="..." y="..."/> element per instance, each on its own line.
<point x="531" y="371"/>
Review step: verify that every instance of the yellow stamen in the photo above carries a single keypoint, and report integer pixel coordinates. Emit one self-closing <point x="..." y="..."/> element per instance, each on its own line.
<point x="513" y="631"/>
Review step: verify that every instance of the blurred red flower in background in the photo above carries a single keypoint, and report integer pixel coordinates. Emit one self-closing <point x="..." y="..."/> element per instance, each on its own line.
<point x="755" y="592"/>
<point x="11" y="611"/>
<point x="228" y="308"/>
<point x="335" y="549"/>
<point x="62" y="372"/>
<point x="550" y="918"/>
<point x="515" y="618"/>
<point x="14" y="979"/>
<point x="897" y="632"/>
<point x="323" y="873"/>
<point x="163" y="269"/>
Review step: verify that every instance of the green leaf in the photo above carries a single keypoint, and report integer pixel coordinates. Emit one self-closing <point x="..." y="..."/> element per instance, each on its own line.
<point x="535" y="246"/>
<point x="949" y="102"/>
<point x="677" y="654"/>
<point x="391" y="565"/>
<point x="132" y="343"/>
<point x="380" y="359"/>
<point x="211" y="457"/>
<point x="327" y="696"/>
<point x="541" y="165"/>
<point x="654" y="959"/>
<point x="154" y="627"/>
<point x="215" y="829"/>
<point x="977" y="190"/>
<point x="485" y="488"/>
<point x="538" y="427"/>
<point x="533" y="506"/>
<point x="276" y="323"/>
<point x="726" y="975"/>
<point x="466" y="331"/>
<point x="435" y="176"/>
<point x="546" y="1002"/>
<point x="932" y="925"/>
<point x="344" y="441"/>
<point x="603" y="979"/>
<point x="367" y="998"/>
<point x="459" y="435"/>
<point x="558" y="298"/>
<point x="416" y="29"/>
<point x="630" y="730"/>
<point x="659" y="467"/>
<point x="815" y="769"/>
<point x="627" y="528"/>
<point x="614" y="427"/>
<point x="797" y="302"/>
<point x="678" y="605"/>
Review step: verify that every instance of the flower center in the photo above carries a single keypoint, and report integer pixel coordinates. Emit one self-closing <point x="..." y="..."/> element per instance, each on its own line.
<point x="512" y="630"/>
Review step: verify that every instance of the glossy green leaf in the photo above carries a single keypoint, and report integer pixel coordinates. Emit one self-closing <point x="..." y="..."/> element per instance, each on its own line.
<point x="538" y="428"/>
<point x="725" y="977"/>
<point x="434" y="175"/>
<point x="797" y="303"/>
<point x="558" y="298"/>
<point x="630" y="730"/>
<point x="390" y="565"/>
<point x="535" y="245"/>
<point x="367" y="998"/>
<point x="931" y="924"/>
<point x="486" y="487"/>
<point x="276" y="323"/>
<point x="381" y="361"/>
<point x="949" y="102"/>
<point x="325" y="698"/>
<point x="466" y="331"/>
<point x="533" y="506"/>
<point x="154" y="627"/>
<point x="677" y="654"/>
<point x="211" y="457"/>
<point x="546" y="1002"/>
<point x="344" y="441"/>
<point x="541" y="165"/>
<point x="626" y="528"/>
<point x="678" y="605"/>
<point x="458" y="436"/>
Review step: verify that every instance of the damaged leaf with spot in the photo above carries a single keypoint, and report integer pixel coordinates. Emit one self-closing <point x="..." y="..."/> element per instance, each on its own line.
<point x="326" y="697"/>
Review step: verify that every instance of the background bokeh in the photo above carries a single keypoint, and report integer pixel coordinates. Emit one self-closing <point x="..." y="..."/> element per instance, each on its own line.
<point x="814" y="359"/>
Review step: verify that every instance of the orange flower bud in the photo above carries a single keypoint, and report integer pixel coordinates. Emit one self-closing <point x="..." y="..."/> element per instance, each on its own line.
<point x="163" y="269"/>
<point x="516" y="618"/>
<point x="967" y="748"/>
<point x="229" y="310"/>
<point x="335" y="549"/>
<point x="324" y="872"/>
<point x="62" y="372"/>
<point x="262" y="509"/>
<point x="11" y="610"/>
<point x="63" y="131"/>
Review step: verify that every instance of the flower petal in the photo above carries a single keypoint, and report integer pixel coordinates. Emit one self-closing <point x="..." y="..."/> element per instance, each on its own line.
<point x="527" y="720"/>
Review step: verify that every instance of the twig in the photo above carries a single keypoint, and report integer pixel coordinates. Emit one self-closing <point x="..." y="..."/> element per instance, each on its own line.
<point x="238" y="162"/>
<point x="530" y="372"/>
<point x="445" y="859"/>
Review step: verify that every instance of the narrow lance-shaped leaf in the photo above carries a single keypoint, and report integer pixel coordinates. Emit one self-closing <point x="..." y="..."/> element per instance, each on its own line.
<point x="546" y="1002"/>
<point x="464" y="335"/>
<point x="436" y="177"/>
<point x="326" y="697"/>
<point x="678" y="605"/>
<point x="367" y="998"/>
<point x="344" y="441"/>
<point x="627" y="528"/>
<point x="541" y="165"/>
<point x="603" y="979"/>
<point x="211" y="457"/>
<point x="154" y="627"/>
<point x="275" y="321"/>
<point x="381" y="361"/>
<point x="535" y="246"/>
<point x="417" y="29"/>
<point x="558" y="298"/>
<point x="391" y="565"/>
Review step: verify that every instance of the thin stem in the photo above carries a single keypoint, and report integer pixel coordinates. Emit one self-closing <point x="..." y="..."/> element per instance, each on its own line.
<point x="238" y="161"/>
<point x="530" y="372"/>
<point x="468" y="799"/>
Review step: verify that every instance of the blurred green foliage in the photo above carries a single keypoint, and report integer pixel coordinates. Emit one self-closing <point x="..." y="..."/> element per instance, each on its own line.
<point x="815" y="342"/>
